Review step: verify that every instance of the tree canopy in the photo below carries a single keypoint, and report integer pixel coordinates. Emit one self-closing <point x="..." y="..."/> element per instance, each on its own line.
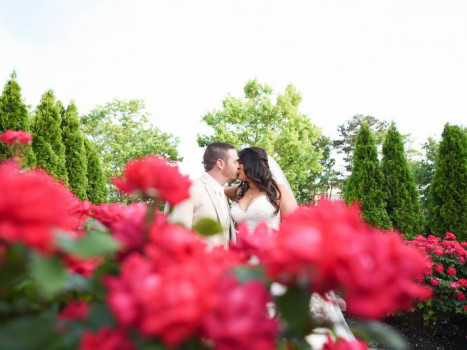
<point x="121" y="131"/>
<point x="365" y="184"/>
<point x="277" y="126"/>
<point x="75" y="153"/>
<point x="14" y="115"/>
<point x="402" y="203"/>
<point x="348" y="135"/>
<point x="448" y="200"/>
<point x="47" y="143"/>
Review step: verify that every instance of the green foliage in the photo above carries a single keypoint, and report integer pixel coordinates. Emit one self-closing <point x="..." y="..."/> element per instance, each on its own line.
<point x="328" y="180"/>
<point x="14" y="115"/>
<point x="448" y="201"/>
<point x="93" y="244"/>
<point x="401" y="195"/>
<point x="121" y="131"/>
<point x="96" y="190"/>
<point x="365" y="184"/>
<point x="47" y="142"/>
<point x="207" y="227"/>
<point x="279" y="128"/>
<point x="423" y="171"/>
<point x="75" y="152"/>
<point x="348" y="135"/>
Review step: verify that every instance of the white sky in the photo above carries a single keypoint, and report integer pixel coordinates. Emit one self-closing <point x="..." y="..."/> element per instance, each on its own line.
<point x="404" y="61"/>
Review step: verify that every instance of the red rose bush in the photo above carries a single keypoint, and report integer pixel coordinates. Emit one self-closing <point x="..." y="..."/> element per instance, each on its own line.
<point x="119" y="276"/>
<point x="446" y="273"/>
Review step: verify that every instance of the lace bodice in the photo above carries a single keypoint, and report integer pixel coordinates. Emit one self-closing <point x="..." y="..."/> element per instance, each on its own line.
<point x="259" y="210"/>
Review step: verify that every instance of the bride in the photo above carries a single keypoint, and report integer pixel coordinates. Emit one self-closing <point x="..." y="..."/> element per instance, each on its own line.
<point x="263" y="196"/>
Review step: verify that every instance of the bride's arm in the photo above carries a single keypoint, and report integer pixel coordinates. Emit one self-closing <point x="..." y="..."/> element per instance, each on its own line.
<point x="287" y="202"/>
<point x="231" y="191"/>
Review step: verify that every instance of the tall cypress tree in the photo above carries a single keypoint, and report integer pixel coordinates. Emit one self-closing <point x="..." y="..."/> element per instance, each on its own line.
<point x="448" y="200"/>
<point x="47" y="133"/>
<point x="402" y="202"/>
<point x="75" y="153"/>
<point x="366" y="181"/>
<point x="14" y="115"/>
<point x="97" y="191"/>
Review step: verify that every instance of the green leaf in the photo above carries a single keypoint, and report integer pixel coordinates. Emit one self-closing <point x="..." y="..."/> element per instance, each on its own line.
<point x="100" y="316"/>
<point x="245" y="273"/>
<point x="294" y="307"/>
<point x="48" y="273"/>
<point x="207" y="227"/>
<point x="381" y="333"/>
<point x="27" y="332"/>
<point x="92" y="245"/>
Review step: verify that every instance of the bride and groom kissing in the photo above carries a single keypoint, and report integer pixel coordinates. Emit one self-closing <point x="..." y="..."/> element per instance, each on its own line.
<point x="263" y="194"/>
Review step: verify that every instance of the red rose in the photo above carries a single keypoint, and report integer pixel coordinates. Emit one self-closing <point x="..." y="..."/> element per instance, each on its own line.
<point x="154" y="177"/>
<point x="168" y="303"/>
<point x="462" y="260"/>
<point x="74" y="310"/>
<point x="343" y="344"/>
<point x="439" y="268"/>
<point x="454" y="285"/>
<point x="434" y="281"/>
<point x="439" y="251"/>
<point x="463" y="282"/>
<point x="12" y="137"/>
<point x="106" y="339"/>
<point x="170" y="244"/>
<point x="460" y="296"/>
<point x="304" y="248"/>
<point x="464" y="307"/>
<point x="251" y="243"/>
<point x="451" y="271"/>
<point x="240" y="321"/>
<point x="32" y="206"/>
<point x="450" y="236"/>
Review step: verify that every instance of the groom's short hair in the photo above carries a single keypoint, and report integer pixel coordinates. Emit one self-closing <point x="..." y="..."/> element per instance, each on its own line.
<point x="215" y="151"/>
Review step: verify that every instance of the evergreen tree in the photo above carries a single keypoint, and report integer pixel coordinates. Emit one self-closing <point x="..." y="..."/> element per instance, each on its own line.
<point x="75" y="153"/>
<point x="47" y="133"/>
<point x="97" y="187"/>
<point x="366" y="181"/>
<point x="402" y="203"/>
<point x="448" y="202"/>
<point x="14" y="115"/>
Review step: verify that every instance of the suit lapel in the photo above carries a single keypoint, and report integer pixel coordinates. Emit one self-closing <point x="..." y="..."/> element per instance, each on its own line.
<point x="214" y="199"/>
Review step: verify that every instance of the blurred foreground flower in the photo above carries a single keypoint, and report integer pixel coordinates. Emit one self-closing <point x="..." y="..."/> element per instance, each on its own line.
<point x="12" y="137"/>
<point x="32" y="206"/>
<point x="155" y="178"/>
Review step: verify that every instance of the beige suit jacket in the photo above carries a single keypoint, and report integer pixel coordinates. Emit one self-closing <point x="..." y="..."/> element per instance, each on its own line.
<point x="204" y="203"/>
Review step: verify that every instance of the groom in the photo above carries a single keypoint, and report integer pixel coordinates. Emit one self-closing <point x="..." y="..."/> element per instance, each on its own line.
<point x="207" y="198"/>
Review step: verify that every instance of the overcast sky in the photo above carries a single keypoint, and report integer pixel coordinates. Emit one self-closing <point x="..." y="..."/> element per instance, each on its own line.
<point x="402" y="61"/>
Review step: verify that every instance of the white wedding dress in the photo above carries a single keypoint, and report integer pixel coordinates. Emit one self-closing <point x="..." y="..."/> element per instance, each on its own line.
<point x="261" y="210"/>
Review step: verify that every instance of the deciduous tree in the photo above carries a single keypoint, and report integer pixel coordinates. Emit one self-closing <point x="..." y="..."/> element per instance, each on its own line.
<point x="121" y="131"/>
<point x="277" y="126"/>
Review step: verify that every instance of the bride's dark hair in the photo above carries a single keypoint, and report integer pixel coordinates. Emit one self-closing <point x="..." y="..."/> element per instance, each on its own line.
<point x="256" y="168"/>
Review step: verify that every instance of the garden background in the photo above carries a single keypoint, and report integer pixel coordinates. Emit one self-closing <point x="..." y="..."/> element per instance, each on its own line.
<point x="337" y="97"/>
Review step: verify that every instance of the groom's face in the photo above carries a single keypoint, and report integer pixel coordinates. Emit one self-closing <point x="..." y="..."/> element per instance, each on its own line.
<point x="231" y="166"/>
